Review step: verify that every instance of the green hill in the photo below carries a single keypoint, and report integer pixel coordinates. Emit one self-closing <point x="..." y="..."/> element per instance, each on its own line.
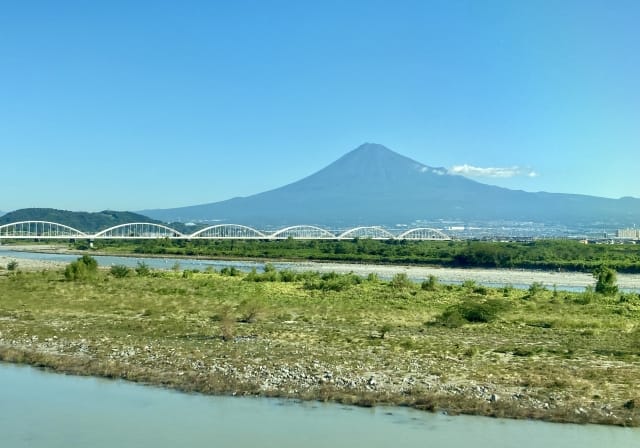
<point x="85" y="221"/>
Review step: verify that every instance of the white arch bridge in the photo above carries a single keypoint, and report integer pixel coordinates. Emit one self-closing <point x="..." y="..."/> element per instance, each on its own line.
<point x="46" y="230"/>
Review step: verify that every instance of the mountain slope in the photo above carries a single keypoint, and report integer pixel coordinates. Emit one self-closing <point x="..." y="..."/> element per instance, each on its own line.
<point x="374" y="185"/>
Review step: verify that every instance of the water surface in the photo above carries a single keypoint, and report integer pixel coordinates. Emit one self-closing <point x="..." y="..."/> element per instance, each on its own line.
<point x="40" y="409"/>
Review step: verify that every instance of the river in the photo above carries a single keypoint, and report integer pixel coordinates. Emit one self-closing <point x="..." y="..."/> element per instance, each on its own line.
<point x="40" y="409"/>
<point x="518" y="278"/>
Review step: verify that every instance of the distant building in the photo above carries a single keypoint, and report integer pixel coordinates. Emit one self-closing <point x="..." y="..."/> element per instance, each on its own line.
<point x="632" y="234"/>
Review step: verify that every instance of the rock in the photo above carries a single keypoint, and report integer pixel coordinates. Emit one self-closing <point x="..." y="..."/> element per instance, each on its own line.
<point x="494" y="398"/>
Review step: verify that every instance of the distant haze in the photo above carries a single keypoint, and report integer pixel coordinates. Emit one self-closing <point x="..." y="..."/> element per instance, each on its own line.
<point x="375" y="185"/>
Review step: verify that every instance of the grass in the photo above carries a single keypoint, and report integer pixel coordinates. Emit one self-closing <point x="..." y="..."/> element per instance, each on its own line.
<point x="546" y="355"/>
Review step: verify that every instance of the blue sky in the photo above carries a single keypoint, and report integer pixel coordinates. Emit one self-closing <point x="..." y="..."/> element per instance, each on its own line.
<point x="133" y="105"/>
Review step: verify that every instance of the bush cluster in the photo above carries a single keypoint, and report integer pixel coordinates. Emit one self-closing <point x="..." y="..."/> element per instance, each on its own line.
<point x="400" y="281"/>
<point x="430" y="283"/>
<point x="606" y="281"/>
<point x="83" y="268"/>
<point x="12" y="265"/>
<point x="142" y="269"/>
<point x="473" y="311"/>
<point x="120" y="271"/>
<point x="330" y="281"/>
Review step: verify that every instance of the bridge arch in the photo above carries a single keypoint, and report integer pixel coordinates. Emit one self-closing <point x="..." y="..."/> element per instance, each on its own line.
<point x="423" y="233"/>
<point x="302" y="232"/>
<point x="37" y="229"/>
<point x="139" y="230"/>
<point x="228" y="231"/>
<point x="373" y="232"/>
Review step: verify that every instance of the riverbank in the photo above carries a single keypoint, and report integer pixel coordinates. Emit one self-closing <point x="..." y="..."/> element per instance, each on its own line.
<point x="563" y="357"/>
<point x="28" y="264"/>
<point x="496" y="277"/>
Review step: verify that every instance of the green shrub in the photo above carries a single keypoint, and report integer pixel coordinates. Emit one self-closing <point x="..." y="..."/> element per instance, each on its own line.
<point x="287" y="276"/>
<point x="451" y="318"/>
<point x="120" y="271"/>
<point x="507" y="290"/>
<point x="606" y="281"/>
<point x="331" y="281"/>
<point x="270" y="275"/>
<point x="629" y="297"/>
<point x="142" y="269"/>
<point x="89" y="262"/>
<point x="586" y="297"/>
<point x="400" y="281"/>
<point x="12" y="265"/>
<point x="469" y="284"/>
<point x="83" y="268"/>
<point x="252" y="276"/>
<point x="473" y="311"/>
<point x="230" y="271"/>
<point x="481" y="290"/>
<point x="486" y="311"/>
<point x="372" y="277"/>
<point x="535" y="289"/>
<point x="81" y="245"/>
<point x="430" y="283"/>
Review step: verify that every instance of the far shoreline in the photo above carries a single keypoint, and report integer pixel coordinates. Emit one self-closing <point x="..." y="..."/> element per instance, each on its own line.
<point x="519" y="277"/>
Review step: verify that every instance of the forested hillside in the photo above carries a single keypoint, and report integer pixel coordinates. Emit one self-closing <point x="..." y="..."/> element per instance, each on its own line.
<point x="85" y="221"/>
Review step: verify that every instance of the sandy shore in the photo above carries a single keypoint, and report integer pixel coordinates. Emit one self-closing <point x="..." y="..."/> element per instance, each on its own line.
<point x="29" y="265"/>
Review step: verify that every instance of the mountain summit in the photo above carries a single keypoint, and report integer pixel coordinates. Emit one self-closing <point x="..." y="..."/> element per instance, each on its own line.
<point x="375" y="185"/>
<point x="369" y="163"/>
<point x="368" y="168"/>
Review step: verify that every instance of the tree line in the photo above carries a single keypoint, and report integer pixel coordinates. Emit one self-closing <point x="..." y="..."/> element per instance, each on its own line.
<point x="541" y="254"/>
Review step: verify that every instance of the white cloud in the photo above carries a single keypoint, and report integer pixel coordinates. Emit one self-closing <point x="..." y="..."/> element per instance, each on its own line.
<point x="476" y="171"/>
